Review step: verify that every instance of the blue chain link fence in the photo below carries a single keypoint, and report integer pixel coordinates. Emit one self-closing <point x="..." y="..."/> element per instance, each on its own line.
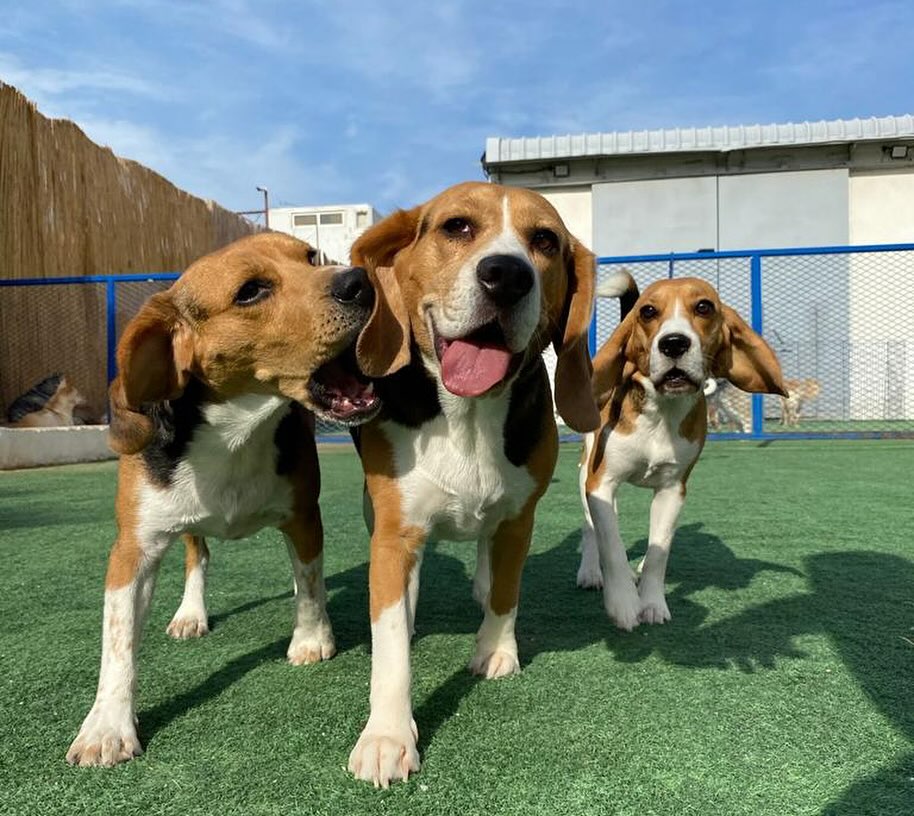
<point x="839" y="318"/>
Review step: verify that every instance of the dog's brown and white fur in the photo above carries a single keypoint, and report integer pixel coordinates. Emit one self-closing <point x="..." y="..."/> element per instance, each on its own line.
<point x="477" y="282"/>
<point x="648" y="380"/>
<point x="799" y="393"/>
<point x="57" y="411"/>
<point x="209" y="414"/>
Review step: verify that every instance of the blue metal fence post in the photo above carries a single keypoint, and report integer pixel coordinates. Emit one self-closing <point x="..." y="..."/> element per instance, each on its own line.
<point x="758" y="401"/>
<point x="111" y="326"/>
<point x="592" y="333"/>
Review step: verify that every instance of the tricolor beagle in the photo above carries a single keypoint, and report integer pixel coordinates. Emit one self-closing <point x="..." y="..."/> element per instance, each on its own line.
<point x="476" y="282"/>
<point x="207" y="412"/>
<point x="648" y="380"/>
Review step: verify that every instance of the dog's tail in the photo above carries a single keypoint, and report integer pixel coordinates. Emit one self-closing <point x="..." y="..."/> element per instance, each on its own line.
<point x="620" y="284"/>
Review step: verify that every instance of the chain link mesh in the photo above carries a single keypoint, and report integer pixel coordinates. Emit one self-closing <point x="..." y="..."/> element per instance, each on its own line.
<point x="832" y="318"/>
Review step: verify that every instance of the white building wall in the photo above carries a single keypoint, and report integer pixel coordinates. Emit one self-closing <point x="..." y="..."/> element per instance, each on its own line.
<point x="654" y="216"/>
<point x="882" y="359"/>
<point x="574" y="206"/>
<point x="786" y="209"/>
<point x="882" y="208"/>
<point x="331" y="229"/>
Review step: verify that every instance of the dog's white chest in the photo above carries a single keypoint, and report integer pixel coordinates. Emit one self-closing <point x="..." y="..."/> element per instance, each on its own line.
<point x="651" y="456"/>
<point x="454" y="477"/>
<point x="226" y="486"/>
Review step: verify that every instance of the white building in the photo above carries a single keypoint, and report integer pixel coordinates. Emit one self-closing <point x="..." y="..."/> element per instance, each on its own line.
<point x="331" y="229"/>
<point x="757" y="187"/>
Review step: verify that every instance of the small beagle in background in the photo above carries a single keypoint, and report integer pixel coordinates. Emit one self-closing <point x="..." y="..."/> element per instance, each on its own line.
<point x="49" y="404"/>
<point x="211" y="415"/>
<point x="474" y="284"/>
<point x="648" y="380"/>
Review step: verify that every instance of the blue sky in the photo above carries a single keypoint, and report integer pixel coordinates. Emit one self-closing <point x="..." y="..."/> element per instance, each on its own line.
<point x="390" y="101"/>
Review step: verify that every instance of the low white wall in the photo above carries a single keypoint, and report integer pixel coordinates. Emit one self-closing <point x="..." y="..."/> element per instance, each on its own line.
<point x="34" y="447"/>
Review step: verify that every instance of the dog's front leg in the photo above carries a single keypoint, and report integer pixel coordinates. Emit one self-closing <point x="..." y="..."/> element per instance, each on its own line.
<point x="496" y="645"/>
<point x="665" y="509"/>
<point x="108" y="734"/>
<point x="387" y="748"/>
<point x="620" y="596"/>
<point x="589" y="574"/>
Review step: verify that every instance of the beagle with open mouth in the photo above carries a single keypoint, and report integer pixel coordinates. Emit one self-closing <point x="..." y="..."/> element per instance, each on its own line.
<point x="648" y="382"/>
<point x="475" y="284"/>
<point x="211" y="413"/>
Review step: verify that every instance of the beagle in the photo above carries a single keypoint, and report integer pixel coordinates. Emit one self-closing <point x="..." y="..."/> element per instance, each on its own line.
<point x="648" y="381"/>
<point x="474" y="284"/>
<point x="211" y="413"/>
<point x="49" y="404"/>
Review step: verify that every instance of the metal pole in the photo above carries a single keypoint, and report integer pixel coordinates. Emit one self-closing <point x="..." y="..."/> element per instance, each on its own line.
<point x="266" y="206"/>
<point x="111" y="326"/>
<point x="758" y="401"/>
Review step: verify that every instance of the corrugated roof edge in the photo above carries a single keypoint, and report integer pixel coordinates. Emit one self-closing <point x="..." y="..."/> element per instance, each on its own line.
<point x="677" y="140"/>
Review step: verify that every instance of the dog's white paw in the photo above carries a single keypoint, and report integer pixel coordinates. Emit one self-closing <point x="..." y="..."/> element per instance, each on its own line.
<point x="622" y="604"/>
<point x="654" y="610"/>
<point x="590" y="576"/>
<point x="311" y="648"/>
<point x="382" y="757"/>
<point x="494" y="664"/>
<point x="186" y="626"/>
<point x="104" y="740"/>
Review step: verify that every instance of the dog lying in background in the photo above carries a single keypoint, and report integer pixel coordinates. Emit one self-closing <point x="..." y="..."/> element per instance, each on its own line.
<point x="49" y="404"/>
<point x="799" y="392"/>
<point x="217" y="377"/>
<point x="728" y="407"/>
<point x="648" y="380"/>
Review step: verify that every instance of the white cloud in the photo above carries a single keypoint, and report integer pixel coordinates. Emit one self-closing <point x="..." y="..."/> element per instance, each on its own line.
<point x="45" y="83"/>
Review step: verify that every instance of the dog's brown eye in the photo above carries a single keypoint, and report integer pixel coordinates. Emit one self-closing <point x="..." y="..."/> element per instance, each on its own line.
<point x="457" y="228"/>
<point x="648" y="312"/>
<point x="312" y="256"/>
<point x="704" y="308"/>
<point x="253" y="291"/>
<point x="545" y="241"/>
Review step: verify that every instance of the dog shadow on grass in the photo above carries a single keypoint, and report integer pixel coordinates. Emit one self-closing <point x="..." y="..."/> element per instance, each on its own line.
<point x="860" y="600"/>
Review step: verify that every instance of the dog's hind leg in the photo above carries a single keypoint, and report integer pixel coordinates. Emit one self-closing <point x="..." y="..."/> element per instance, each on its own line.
<point x="589" y="574"/>
<point x="312" y="637"/>
<point x="496" y="645"/>
<point x="482" y="580"/>
<point x="190" y="620"/>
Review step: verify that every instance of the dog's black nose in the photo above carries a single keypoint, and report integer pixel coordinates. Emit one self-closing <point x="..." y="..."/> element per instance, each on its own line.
<point x="674" y="345"/>
<point x="352" y="287"/>
<point x="505" y="278"/>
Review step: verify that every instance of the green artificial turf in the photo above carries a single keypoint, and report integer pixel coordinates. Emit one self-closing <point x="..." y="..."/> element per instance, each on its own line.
<point x="781" y="686"/>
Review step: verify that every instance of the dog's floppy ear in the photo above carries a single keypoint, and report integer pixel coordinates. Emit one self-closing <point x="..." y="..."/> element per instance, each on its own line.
<point x="154" y="357"/>
<point x="379" y="245"/>
<point x="573" y="395"/>
<point x="745" y="359"/>
<point x="612" y="365"/>
<point x="383" y="344"/>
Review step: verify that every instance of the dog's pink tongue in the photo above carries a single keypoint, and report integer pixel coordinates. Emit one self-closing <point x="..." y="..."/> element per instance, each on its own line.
<point x="470" y="369"/>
